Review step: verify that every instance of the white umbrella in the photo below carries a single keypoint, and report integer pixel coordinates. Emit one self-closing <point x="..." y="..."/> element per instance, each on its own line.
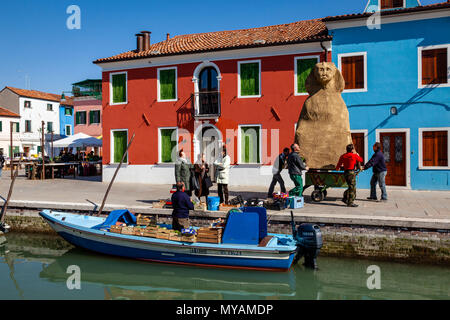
<point x="79" y="140"/>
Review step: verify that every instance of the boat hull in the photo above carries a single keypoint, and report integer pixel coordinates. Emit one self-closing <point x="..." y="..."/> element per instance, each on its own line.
<point x="152" y="249"/>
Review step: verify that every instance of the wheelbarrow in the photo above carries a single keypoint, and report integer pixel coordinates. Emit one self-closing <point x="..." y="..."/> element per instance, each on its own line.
<point x="324" y="179"/>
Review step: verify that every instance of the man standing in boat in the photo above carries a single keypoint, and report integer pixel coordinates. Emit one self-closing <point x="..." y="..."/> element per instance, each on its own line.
<point x="181" y="203"/>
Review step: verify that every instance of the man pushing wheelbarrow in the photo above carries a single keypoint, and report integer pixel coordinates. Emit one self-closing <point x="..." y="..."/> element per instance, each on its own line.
<point x="348" y="162"/>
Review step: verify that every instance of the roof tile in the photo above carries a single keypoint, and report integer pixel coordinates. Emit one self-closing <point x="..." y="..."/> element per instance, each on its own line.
<point x="296" y="32"/>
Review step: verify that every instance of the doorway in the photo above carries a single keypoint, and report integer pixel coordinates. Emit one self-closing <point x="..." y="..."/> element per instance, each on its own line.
<point x="394" y="148"/>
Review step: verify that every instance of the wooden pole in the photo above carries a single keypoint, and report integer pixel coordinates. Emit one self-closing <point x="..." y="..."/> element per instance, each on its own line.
<point x="114" y="176"/>
<point x="5" y="206"/>
<point x="11" y="152"/>
<point x="42" y="152"/>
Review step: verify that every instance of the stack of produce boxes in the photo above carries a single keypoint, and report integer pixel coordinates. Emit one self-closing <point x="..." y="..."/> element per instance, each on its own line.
<point x="209" y="235"/>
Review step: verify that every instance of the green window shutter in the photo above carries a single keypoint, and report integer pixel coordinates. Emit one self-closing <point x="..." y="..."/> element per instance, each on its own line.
<point x="49" y="127"/>
<point x="39" y="149"/>
<point x="249" y="76"/>
<point x="250" y="145"/>
<point x="67" y="130"/>
<point x="77" y="118"/>
<point x="120" y="145"/>
<point x="1" y="127"/>
<point x="119" y="85"/>
<point x="17" y="127"/>
<point x="167" y="85"/>
<point x="91" y="117"/>
<point x="167" y="145"/>
<point x="304" y="67"/>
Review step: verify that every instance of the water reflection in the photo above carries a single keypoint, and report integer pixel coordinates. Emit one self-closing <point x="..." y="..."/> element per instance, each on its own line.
<point x="125" y="278"/>
<point x="35" y="267"/>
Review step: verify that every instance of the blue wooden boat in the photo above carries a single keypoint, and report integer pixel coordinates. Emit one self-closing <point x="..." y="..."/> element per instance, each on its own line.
<point x="245" y="241"/>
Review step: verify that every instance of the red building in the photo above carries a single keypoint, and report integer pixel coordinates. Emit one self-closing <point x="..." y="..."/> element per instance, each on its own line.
<point x="243" y="89"/>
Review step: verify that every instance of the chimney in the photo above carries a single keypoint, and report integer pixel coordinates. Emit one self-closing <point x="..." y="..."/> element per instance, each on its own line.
<point x="139" y="42"/>
<point x="146" y="39"/>
<point x="167" y="36"/>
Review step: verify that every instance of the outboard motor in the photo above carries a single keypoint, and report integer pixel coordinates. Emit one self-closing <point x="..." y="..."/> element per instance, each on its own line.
<point x="309" y="242"/>
<point x="4" y="227"/>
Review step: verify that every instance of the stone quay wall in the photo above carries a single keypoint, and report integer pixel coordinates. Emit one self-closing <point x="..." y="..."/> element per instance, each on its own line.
<point x="385" y="243"/>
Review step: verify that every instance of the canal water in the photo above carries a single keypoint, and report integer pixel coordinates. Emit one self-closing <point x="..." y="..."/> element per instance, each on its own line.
<point x="36" y="267"/>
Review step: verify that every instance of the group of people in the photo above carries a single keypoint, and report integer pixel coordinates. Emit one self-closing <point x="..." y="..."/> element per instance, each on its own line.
<point x="66" y="156"/>
<point x="350" y="162"/>
<point x="195" y="179"/>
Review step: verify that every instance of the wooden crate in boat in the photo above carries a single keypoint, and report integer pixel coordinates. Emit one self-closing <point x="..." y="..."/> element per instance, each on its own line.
<point x="128" y="230"/>
<point x="145" y="221"/>
<point x="210" y="235"/>
<point x="189" y="239"/>
<point x="116" y="229"/>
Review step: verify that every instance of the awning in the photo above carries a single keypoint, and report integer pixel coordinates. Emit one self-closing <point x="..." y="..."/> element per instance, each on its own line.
<point x="79" y="140"/>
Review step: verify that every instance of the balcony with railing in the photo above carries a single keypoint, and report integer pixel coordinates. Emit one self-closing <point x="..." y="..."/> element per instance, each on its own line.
<point x="206" y="104"/>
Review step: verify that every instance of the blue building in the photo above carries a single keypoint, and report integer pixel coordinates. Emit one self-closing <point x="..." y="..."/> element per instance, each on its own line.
<point x="66" y="118"/>
<point x="396" y="64"/>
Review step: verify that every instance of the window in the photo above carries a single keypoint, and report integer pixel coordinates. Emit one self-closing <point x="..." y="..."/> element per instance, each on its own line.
<point x="15" y="150"/>
<point x="16" y="125"/>
<point x="168" y="138"/>
<point x="119" y="145"/>
<point x="354" y="70"/>
<point x="433" y="65"/>
<point x="80" y="117"/>
<point x="303" y="67"/>
<point x="435" y="150"/>
<point x="249" y="79"/>
<point x="94" y="116"/>
<point x="68" y="111"/>
<point x="250" y="138"/>
<point x="68" y="129"/>
<point x="118" y="88"/>
<point x="1" y="126"/>
<point x="27" y="104"/>
<point x="390" y="4"/>
<point x="49" y="107"/>
<point x="49" y="127"/>
<point x="167" y="84"/>
<point x="27" y="125"/>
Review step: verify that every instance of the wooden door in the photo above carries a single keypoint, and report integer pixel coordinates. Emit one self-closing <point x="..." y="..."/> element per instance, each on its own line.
<point x="394" y="149"/>
<point x="358" y="142"/>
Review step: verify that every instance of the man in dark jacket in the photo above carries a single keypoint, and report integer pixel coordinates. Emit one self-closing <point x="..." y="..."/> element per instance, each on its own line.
<point x="181" y="205"/>
<point x="379" y="173"/>
<point x="279" y="165"/>
<point x="295" y="167"/>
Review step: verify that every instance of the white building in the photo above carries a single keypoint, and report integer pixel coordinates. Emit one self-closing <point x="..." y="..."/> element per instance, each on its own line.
<point x="6" y="119"/>
<point x="33" y="107"/>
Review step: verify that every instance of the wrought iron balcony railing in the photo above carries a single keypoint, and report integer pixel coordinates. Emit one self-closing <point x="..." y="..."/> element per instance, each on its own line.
<point x="206" y="104"/>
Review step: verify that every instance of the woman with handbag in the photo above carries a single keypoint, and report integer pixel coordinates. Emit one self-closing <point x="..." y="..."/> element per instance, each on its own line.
<point x="201" y="170"/>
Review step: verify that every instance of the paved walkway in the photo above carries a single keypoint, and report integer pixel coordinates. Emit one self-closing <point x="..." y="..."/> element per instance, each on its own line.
<point x="402" y="204"/>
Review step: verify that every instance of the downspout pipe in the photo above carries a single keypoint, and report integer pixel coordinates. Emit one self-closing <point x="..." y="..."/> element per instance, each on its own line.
<point x="326" y="51"/>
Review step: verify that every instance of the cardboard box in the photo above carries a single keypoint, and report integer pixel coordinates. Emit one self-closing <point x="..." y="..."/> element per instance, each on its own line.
<point x="228" y="207"/>
<point x="159" y="205"/>
<point x="295" y="202"/>
<point x="200" y="207"/>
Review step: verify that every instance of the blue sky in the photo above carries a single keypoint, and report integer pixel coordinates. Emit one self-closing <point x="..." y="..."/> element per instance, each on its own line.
<point x="36" y="44"/>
